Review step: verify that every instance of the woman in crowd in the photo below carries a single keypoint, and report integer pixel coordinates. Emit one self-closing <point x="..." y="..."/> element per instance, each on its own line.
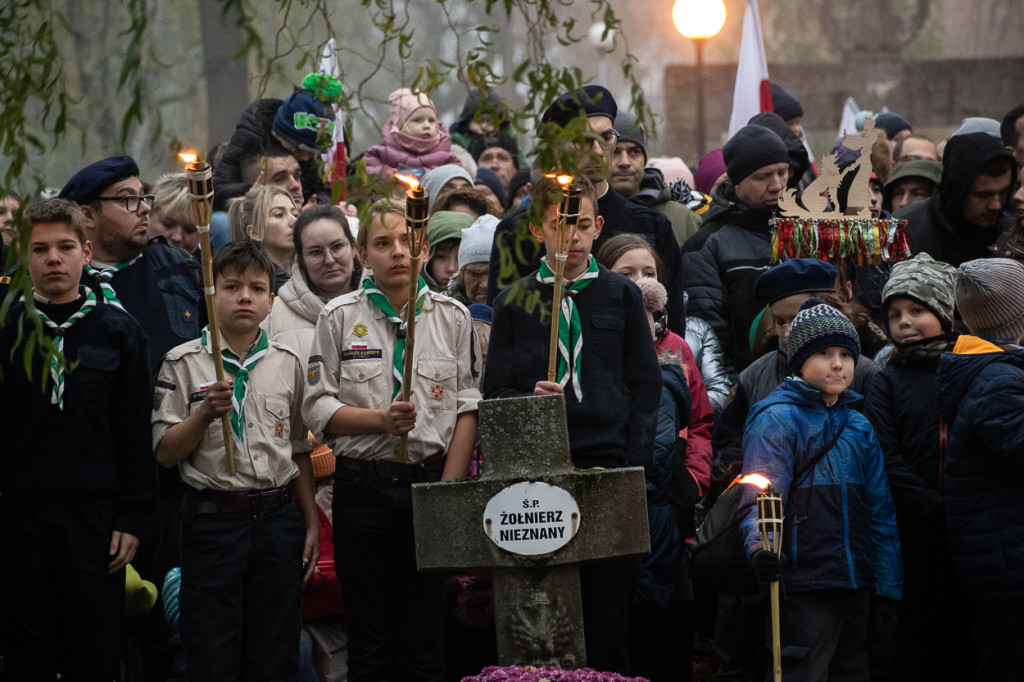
<point x="267" y="214"/>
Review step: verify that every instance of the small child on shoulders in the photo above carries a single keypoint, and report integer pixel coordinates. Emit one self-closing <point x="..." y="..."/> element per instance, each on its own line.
<point x="839" y="535"/>
<point x="248" y="539"/>
<point x="412" y="141"/>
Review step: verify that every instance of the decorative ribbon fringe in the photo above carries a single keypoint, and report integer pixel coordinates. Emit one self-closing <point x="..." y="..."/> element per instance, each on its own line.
<point x="860" y="241"/>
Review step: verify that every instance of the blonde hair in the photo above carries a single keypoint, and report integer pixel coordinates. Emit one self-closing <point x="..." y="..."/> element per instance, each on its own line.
<point x="253" y="209"/>
<point x="378" y="210"/>
<point x="171" y="198"/>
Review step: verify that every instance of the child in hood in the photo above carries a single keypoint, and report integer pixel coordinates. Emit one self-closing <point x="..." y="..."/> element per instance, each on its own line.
<point x="413" y="141"/>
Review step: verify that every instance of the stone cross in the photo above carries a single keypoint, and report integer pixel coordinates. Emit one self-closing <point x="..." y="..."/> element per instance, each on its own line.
<point x="532" y="518"/>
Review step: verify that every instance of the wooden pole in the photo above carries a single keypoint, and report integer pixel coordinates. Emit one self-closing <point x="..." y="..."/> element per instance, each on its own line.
<point x="565" y="231"/>
<point x="416" y="213"/>
<point x="769" y="523"/>
<point x="200" y="190"/>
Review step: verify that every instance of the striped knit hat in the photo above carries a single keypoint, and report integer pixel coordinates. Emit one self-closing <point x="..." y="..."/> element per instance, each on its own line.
<point x="816" y="327"/>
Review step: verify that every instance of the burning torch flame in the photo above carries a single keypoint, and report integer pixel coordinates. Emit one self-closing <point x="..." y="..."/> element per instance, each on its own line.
<point x="756" y="480"/>
<point x="409" y="180"/>
<point x="562" y="180"/>
<point x="188" y="157"/>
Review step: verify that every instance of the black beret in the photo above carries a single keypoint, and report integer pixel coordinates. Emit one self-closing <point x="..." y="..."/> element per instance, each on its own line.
<point x="593" y="100"/>
<point x="91" y="181"/>
<point x="794" y="276"/>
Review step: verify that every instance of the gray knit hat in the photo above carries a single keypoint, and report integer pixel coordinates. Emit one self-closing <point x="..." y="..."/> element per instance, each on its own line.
<point x="990" y="296"/>
<point x="930" y="282"/>
<point x="816" y="327"/>
<point x="630" y="130"/>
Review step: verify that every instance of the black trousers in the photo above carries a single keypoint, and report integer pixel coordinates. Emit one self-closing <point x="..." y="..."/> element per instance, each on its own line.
<point x="60" y="608"/>
<point x="239" y="599"/>
<point x="393" y="613"/>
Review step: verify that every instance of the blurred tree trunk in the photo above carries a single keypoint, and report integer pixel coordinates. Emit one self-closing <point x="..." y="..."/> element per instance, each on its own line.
<point x="227" y="77"/>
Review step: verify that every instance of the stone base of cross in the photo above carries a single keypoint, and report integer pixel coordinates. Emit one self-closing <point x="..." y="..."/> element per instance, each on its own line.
<point x="532" y="518"/>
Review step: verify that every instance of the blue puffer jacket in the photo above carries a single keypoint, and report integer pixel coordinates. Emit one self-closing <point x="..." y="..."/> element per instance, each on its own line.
<point x="981" y="397"/>
<point x="840" y="528"/>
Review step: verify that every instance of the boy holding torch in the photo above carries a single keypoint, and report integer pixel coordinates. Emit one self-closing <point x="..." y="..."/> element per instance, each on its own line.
<point x="839" y="532"/>
<point x="608" y="371"/>
<point x="354" y="396"/>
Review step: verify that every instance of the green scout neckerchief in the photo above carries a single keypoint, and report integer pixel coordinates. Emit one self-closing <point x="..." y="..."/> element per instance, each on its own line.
<point x="103" y="278"/>
<point x="241" y="371"/>
<point x="378" y="298"/>
<point x="570" y="331"/>
<point x="57" y="361"/>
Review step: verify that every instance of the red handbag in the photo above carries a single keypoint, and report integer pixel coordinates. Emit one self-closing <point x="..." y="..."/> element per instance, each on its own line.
<point x="321" y="597"/>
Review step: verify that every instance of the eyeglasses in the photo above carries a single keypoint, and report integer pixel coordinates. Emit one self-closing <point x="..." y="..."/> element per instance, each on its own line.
<point x="318" y="256"/>
<point x="606" y="140"/>
<point x="132" y="201"/>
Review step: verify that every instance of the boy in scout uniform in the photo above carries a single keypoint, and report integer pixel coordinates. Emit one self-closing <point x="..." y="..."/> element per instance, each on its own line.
<point x="250" y="539"/>
<point x="353" y="396"/>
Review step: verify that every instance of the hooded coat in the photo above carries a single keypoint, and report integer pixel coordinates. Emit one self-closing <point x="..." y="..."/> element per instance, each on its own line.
<point x="655" y="194"/>
<point x="981" y="398"/>
<point x="840" y="523"/>
<point x="937" y="226"/>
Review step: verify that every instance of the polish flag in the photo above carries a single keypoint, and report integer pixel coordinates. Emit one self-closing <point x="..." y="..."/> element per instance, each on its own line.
<point x="334" y="158"/>
<point x="752" y="94"/>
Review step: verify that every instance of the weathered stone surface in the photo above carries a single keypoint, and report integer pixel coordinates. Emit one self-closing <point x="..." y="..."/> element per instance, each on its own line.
<point x="538" y="611"/>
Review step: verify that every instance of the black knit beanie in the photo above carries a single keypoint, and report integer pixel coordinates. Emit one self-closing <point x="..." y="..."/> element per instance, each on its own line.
<point x="752" y="147"/>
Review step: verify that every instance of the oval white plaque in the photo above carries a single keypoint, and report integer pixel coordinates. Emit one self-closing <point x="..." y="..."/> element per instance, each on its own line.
<point x="531" y="518"/>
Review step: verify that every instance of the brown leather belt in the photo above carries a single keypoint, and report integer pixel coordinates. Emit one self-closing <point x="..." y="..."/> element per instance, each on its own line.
<point x="244" y="501"/>
<point x="427" y="470"/>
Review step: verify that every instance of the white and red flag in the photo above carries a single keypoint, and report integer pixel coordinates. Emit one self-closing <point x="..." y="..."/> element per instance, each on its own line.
<point x="334" y="158"/>
<point x="751" y="94"/>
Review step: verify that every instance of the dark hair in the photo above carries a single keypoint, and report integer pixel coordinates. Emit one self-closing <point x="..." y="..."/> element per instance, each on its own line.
<point x="1008" y="128"/>
<point x="58" y="211"/>
<point x="275" y="150"/>
<point x="616" y="247"/>
<point x="242" y="256"/>
<point x="547" y="191"/>
<point x="470" y="196"/>
<point x="325" y="212"/>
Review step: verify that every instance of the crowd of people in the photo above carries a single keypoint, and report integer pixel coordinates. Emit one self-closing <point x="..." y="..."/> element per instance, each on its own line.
<point x="162" y="521"/>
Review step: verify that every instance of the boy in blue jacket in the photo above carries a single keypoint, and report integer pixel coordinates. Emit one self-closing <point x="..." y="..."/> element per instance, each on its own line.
<point x="840" y="542"/>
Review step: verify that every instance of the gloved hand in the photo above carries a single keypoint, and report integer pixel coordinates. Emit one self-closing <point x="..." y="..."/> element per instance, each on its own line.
<point x="766" y="565"/>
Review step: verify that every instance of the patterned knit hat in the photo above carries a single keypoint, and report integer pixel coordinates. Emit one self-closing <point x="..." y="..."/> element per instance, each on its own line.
<point x="930" y="282"/>
<point x="990" y="296"/>
<point x="816" y="327"/>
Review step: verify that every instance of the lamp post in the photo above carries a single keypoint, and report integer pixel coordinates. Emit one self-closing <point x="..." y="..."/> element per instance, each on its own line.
<point x="699" y="20"/>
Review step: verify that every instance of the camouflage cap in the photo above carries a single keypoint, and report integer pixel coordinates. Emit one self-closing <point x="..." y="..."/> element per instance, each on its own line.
<point x="926" y="280"/>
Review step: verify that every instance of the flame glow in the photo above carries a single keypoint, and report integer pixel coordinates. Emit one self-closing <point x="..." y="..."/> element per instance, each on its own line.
<point x="188" y="157"/>
<point x="756" y="480"/>
<point x="563" y="180"/>
<point x="409" y="180"/>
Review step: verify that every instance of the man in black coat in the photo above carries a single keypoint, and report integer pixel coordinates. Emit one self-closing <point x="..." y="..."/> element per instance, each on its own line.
<point x="515" y="254"/>
<point x="967" y="213"/>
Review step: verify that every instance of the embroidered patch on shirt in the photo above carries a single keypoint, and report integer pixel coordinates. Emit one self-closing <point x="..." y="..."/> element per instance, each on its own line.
<point x="359" y="329"/>
<point x="188" y="315"/>
<point x="279" y="429"/>
<point x="436" y="392"/>
<point x="197" y="396"/>
<point x="313" y="374"/>
<point x="158" y="399"/>
<point x="361" y="354"/>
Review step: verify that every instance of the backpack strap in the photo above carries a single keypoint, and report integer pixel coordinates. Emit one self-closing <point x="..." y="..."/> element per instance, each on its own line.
<point x="799" y="474"/>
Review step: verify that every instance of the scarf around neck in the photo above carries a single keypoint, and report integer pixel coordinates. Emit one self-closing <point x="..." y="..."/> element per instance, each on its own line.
<point x="378" y="299"/>
<point x="570" y="330"/>
<point x="240" y="371"/>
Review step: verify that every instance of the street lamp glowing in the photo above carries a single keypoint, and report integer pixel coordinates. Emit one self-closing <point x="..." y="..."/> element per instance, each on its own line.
<point x="698" y="19"/>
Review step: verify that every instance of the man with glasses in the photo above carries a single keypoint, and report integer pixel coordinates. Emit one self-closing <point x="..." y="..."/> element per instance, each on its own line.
<point x="157" y="284"/>
<point x="515" y="254"/>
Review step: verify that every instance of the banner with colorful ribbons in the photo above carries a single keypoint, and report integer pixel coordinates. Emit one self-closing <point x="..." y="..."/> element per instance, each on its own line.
<point x="859" y="241"/>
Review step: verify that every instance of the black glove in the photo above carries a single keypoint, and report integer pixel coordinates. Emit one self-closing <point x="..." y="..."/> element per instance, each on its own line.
<point x="767" y="566"/>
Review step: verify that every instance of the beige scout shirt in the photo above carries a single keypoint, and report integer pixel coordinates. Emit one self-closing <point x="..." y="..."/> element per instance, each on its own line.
<point x="273" y="418"/>
<point x="350" y="364"/>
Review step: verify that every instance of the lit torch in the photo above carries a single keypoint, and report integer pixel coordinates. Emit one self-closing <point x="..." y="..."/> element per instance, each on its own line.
<point x="769" y="523"/>
<point x="200" y="192"/>
<point x="565" y="232"/>
<point x="416" y="213"/>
